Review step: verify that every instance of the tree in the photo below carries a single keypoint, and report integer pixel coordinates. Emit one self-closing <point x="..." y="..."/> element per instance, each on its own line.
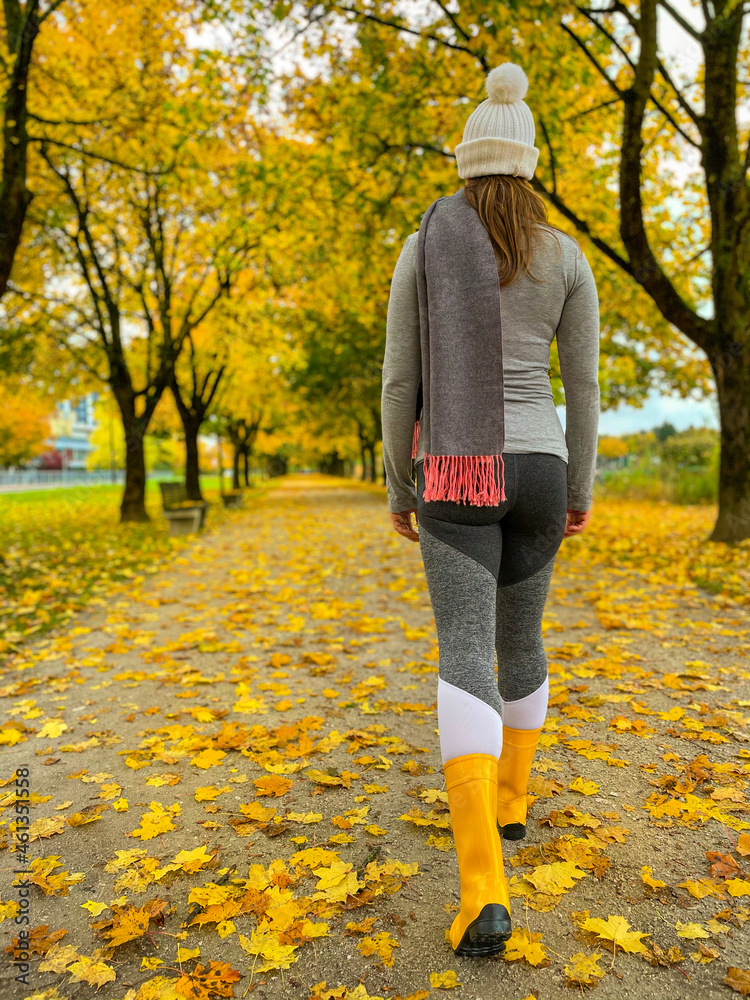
<point x="613" y="118"/>
<point x="332" y="285"/>
<point x="140" y="259"/>
<point x="150" y="241"/>
<point x="194" y="385"/>
<point x="22" y="23"/>
<point x="24" y="423"/>
<point x="665" y="430"/>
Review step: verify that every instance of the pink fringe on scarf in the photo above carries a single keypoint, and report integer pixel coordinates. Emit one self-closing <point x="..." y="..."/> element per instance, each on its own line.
<point x="415" y="440"/>
<point x="464" y="478"/>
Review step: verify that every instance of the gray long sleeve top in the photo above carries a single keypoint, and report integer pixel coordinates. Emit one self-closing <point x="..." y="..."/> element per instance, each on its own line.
<point x="565" y="304"/>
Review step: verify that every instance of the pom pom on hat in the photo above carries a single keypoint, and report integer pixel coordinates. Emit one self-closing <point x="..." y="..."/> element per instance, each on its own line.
<point x="507" y="84"/>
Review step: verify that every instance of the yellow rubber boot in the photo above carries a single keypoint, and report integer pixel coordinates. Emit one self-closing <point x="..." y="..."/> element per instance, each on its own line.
<point x="513" y="770"/>
<point x="482" y="925"/>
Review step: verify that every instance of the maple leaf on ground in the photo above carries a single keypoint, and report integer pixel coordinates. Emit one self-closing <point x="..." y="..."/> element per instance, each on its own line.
<point x="336" y="882"/>
<point x="208" y="758"/>
<point x="158" y="988"/>
<point x="580" y="784"/>
<point x="52" y="883"/>
<point x="314" y="857"/>
<point x="444" y="844"/>
<point x="157" y="820"/>
<point x="258" y="812"/>
<point x="738" y="979"/>
<point x="363" y="927"/>
<point x="737" y="887"/>
<point x="323" y="778"/>
<point x="691" y="931"/>
<point x="698" y="888"/>
<point x="273" y="784"/>
<point x="189" y="862"/>
<point x="583" y="969"/>
<point x="319" y="992"/>
<point x="88" y="815"/>
<point x="430" y="818"/>
<point x="306" y="818"/>
<point x="130" y="922"/>
<point x="382" y="945"/>
<point x="722" y="865"/>
<point x="52" y="728"/>
<point x="647" y="879"/>
<point x="86" y="970"/>
<point x="266" y="945"/>
<point x="124" y="859"/>
<point x="49" y="826"/>
<point x="555" y="878"/>
<point x="704" y="955"/>
<point x="58" y="958"/>
<point x="216" y="980"/>
<point x="208" y="793"/>
<point x="39" y="941"/>
<point x="444" y="980"/>
<point x="743" y="844"/>
<point x="524" y="944"/>
<point x="185" y="954"/>
<point x="617" y="930"/>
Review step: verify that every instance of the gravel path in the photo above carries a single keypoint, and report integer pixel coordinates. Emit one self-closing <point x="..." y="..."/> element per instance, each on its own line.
<point x="288" y="661"/>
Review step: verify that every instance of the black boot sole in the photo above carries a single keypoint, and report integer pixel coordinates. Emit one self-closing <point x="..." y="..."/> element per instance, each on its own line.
<point x="487" y="934"/>
<point x="512" y="831"/>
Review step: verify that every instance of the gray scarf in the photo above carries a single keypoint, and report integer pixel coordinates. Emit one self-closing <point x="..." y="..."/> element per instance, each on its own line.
<point x="462" y="390"/>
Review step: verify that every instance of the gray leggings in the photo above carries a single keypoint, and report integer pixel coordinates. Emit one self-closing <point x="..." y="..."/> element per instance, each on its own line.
<point x="488" y="571"/>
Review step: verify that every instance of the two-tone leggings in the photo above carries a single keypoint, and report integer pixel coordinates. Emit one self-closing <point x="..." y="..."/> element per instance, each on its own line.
<point x="488" y="572"/>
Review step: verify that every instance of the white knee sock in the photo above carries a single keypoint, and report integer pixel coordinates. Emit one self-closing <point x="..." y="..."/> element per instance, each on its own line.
<point x="467" y="724"/>
<point x="529" y="712"/>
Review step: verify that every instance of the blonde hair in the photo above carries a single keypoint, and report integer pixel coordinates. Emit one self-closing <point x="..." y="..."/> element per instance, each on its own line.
<point x="512" y="212"/>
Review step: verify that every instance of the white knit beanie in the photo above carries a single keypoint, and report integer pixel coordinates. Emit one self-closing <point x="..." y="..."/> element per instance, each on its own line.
<point x="499" y="134"/>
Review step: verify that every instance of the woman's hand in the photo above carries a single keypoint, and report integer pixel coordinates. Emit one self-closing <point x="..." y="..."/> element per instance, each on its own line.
<point x="402" y="523"/>
<point x="576" y="521"/>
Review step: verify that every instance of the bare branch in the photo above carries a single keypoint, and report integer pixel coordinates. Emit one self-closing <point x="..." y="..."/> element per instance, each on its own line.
<point x="482" y="59"/>
<point x="548" y="141"/>
<point x="50" y="10"/>
<point x="68" y="121"/>
<point x="685" y="25"/>
<point x="453" y="19"/>
<point x="593" y="60"/>
<point x="643" y="265"/>
<point x="46" y="141"/>
<point x="607" y="34"/>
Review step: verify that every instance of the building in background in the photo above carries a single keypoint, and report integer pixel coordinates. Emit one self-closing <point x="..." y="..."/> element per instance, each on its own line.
<point x="71" y="427"/>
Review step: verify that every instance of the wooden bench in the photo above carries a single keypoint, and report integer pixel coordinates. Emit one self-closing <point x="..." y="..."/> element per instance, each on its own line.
<point x="174" y="497"/>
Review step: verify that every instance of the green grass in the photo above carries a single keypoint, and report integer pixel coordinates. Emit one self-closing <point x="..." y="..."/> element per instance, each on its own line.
<point x="680" y="486"/>
<point x="209" y="484"/>
<point x="64" y="547"/>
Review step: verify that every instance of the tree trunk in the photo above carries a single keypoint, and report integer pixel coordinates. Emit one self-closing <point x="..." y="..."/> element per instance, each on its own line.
<point x="236" y="466"/>
<point x="192" y="461"/>
<point x="14" y="195"/>
<point x="246" y="465"/>
<point x="363" y="453"/>
<point x="732" y="374"/>
<point x="219" y="463"/>
<point x="371" y="453"/>
<point x="133" y="506"/>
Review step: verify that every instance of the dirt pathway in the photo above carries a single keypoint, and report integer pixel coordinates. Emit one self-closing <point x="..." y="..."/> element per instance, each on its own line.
<point x="274" y="693"/>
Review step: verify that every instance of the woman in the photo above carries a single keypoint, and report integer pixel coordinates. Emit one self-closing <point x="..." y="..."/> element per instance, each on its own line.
<point x="478" y="294"/>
